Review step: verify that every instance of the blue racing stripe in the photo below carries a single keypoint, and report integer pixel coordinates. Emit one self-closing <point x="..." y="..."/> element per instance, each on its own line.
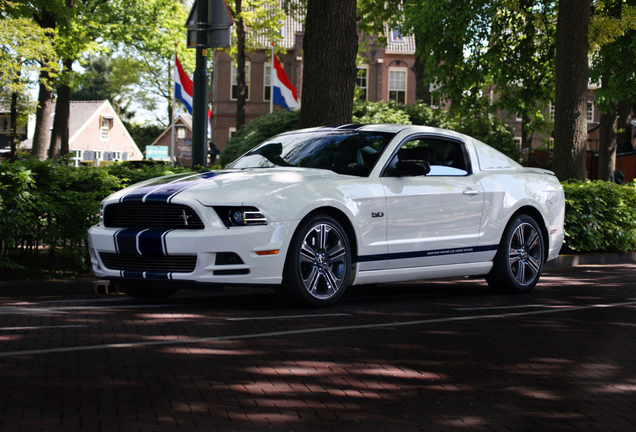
<point x="135" y="241"/>
<point x="163" y="190"/>
<point x="426" y="254"/>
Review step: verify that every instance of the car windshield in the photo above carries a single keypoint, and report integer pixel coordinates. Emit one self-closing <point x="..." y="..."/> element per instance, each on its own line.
<point x="345" y="152"/>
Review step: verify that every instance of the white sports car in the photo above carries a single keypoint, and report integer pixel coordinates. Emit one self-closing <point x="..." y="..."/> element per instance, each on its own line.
<point x="313" y="211"/>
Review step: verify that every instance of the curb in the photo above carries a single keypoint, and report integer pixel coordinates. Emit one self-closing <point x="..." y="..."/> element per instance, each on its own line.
<point x="591" y="259"/>
<point x="90" y="286"/>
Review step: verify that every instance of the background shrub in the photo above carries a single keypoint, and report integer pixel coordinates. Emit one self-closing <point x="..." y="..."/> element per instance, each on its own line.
<point x="599" y="217"/>
<point x="257" y="131"/>
<point x="133" y="172"/>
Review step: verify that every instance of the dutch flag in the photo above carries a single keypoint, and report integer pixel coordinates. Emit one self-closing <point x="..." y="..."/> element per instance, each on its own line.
<point x="182" y="86"/>
<point x="284" y="94"/>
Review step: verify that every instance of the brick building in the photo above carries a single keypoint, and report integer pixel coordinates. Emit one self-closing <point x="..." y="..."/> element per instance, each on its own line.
<point x="386" y="74"/>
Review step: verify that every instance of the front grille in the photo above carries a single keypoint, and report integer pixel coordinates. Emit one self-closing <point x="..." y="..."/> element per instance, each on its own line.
<point x="173" y="264"/>
<point x="151" y="215"/>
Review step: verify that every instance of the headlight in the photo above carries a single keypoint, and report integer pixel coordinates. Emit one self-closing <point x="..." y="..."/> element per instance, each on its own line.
<point x="240" y="216"/>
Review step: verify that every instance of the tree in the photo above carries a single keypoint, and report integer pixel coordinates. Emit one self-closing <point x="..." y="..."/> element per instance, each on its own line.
<point x="330" y="45"/>
<point x="613" y="39"/>
<point x="142" y="49"/>
<point x="23" y="45"/>
<point x="571" y="71"/>
<point x="487" y="55"/>
<point x="254" y="20"/>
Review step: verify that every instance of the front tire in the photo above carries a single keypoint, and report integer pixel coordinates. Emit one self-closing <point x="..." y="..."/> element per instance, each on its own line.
<point x="318" y="263"/>
<point x="519" y="260"/>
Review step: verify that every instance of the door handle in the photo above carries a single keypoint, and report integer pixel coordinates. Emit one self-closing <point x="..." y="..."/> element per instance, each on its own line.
<point x="471" y="192"/>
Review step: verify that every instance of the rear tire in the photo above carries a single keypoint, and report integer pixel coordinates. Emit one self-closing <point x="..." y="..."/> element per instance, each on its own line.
<point x="318" y="264"/>
<point x="519" y="260"/>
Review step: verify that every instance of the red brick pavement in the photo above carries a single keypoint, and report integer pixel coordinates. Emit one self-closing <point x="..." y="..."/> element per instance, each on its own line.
<point x="445" y="355"/>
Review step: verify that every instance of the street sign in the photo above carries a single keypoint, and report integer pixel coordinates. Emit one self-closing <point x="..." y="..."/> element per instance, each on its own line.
<point x="218" y="26"/>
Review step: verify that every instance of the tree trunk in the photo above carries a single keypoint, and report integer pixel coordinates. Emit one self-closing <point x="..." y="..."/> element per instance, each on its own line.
<point x="526" y="137"/>
<point x="330" y="45"/>
<point x="241" y="96"/>
<point x="607" y="145"/>
<point x="60" y="132"/>
<point x="42" y="118"/>
<point x="422" y="89"/>
<point x="45" y="99"/>
<point x="624" y="133"/>
<point x="13" y="120"/>
<point x="571" y="70"/>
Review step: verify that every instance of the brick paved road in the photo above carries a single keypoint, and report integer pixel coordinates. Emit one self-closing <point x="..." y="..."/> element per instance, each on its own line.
<point x="430" y="356"/>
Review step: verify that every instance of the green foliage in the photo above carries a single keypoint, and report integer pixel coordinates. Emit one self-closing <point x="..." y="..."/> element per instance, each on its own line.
<point x="599" y="217"/>
<point x="257" y="131"/>
<point x="132" y="172"/>
<point x="143" y="134"/>
<point x="379" y="112"/>
<point x="51" y="205"/>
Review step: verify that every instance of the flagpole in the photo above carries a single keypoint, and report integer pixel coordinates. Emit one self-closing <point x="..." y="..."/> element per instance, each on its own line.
<point x="271" y="83"/>
<point x="174" y="102"/>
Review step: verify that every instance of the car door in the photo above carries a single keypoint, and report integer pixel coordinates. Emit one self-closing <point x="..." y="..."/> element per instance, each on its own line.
<point x="432" y="219"/>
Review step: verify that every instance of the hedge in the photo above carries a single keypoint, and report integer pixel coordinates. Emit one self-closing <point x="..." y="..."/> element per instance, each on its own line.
<point x="599" y="217"/>
<point x="46" y="209"/>
<point x="49" y="206"/>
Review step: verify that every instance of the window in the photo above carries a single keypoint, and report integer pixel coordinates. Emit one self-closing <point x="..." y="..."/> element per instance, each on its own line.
<point x="232" y="132"/>
<point x="267" y="83"/>
<point x="444" y="157"/>
<point x="590" y="111"/>
<point x="361" y="83"/>
<point x="234" y="94"/>
<point x="396" y="37"/>
<point x="116" y="156"/>
<point x="181" y="132"/>
<point x="76" y="156"/>
<point x="106" y="125"/>
<point x="518" y="142"/>
<point x="551" y="112"/>
<point x="397" y="85"/>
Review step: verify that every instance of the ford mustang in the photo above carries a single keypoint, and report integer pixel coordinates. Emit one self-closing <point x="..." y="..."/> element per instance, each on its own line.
<point x="313" y="211"/>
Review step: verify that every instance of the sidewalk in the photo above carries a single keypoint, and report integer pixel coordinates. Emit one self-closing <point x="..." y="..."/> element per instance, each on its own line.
<point x="90" y="286"/>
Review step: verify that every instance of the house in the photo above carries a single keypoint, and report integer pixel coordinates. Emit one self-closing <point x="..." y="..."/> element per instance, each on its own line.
<point x="5" y="132"/>
<point x="386" y="74"/>
<point x="96" y="134"/>
<point x="182" y="141"/>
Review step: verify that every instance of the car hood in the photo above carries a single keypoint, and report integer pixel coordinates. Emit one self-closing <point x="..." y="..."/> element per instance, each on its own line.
<point x="226" y="187"/>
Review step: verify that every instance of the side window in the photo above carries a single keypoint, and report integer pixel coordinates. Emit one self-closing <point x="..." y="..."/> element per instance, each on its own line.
<point x="445" y="157"/>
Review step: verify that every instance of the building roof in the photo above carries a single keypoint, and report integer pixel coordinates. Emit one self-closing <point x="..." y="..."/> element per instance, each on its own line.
<point x="185" y="119"/>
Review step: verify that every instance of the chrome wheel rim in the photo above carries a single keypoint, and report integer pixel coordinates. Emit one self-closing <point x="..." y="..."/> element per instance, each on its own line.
<point x="323" y="261"/>
<point x="525" y="254"/>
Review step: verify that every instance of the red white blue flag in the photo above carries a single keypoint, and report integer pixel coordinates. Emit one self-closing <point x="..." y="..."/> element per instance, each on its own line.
<point x="284" y="94"/>
<point x="182" y="86"/>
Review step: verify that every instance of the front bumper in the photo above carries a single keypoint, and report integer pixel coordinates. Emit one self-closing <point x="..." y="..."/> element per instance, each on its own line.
<point x="205" y="245"/>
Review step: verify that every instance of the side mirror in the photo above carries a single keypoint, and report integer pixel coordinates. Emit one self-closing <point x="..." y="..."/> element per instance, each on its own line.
<point x="408" y="168"/>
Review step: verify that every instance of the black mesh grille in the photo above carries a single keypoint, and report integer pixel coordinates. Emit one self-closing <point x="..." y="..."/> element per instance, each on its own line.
<point x="151" y="215"/>
<point x="174" y="264"/>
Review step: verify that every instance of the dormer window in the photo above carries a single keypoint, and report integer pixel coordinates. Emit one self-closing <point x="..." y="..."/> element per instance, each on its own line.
<point x="106" y="125"/>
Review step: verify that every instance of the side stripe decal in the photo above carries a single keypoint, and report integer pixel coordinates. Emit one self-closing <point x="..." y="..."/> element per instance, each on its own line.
<point x="425" y="254"/>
